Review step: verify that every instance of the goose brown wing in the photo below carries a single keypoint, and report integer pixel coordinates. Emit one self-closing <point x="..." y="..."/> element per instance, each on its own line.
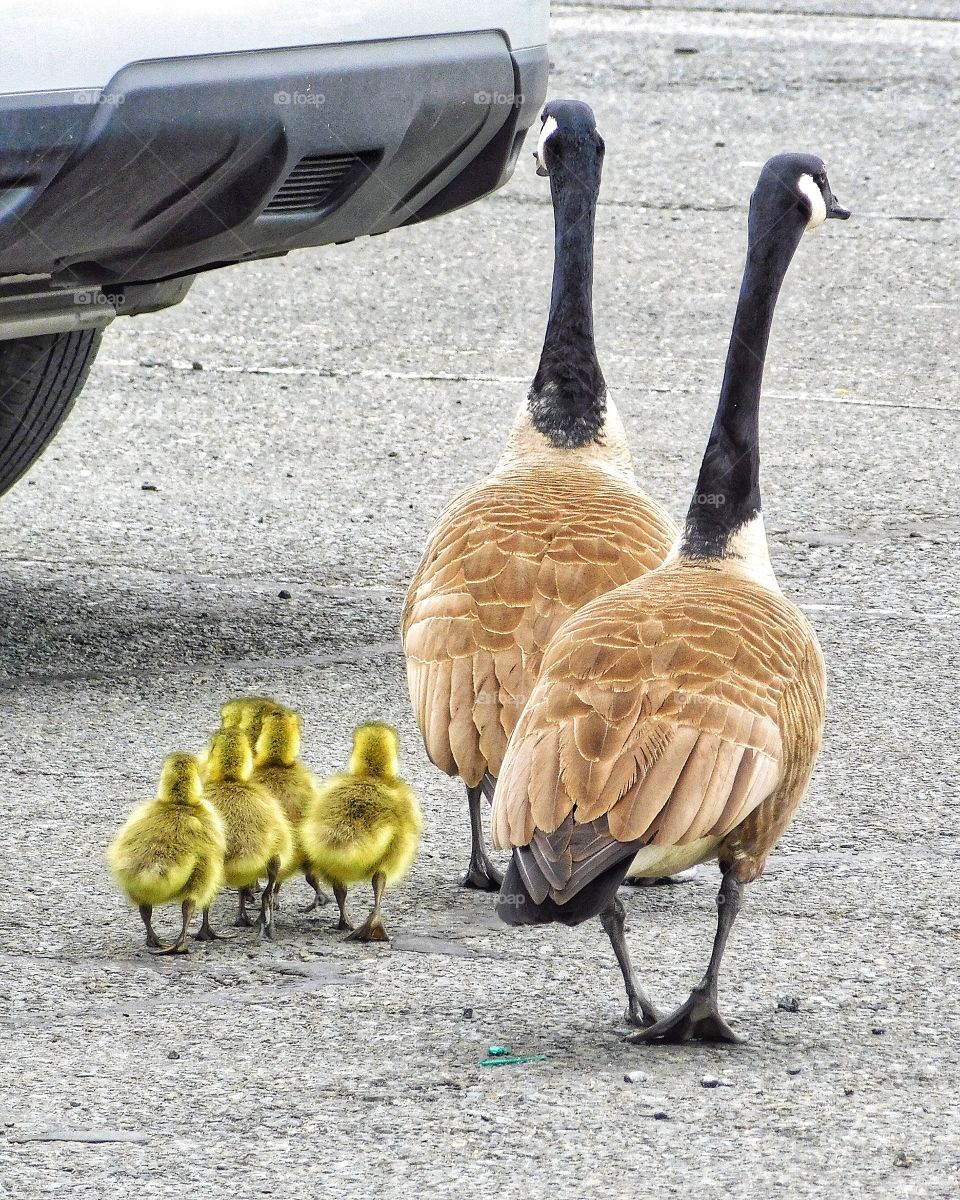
<point x="506" y="566"/>
<point x="656" y="711"/>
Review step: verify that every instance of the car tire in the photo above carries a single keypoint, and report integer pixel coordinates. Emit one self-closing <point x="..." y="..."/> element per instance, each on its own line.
<point x="40" y="377"/>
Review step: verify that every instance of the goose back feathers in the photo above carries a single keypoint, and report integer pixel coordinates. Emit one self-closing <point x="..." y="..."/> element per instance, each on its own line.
<point x="679" y="718"/>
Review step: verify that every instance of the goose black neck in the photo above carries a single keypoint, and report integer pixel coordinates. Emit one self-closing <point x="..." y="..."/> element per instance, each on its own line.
<point x="727" y="495"/>
<point x="567" y="400"/>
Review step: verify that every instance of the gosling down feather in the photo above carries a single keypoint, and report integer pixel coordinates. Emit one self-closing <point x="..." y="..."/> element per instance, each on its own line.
<point x="170" y="850"/>
<point x="259" y="839"/>
<point x="678" y="718"/>
<point x="364" y="826"/>
<point x="277" y="767"/>
<point x="560" y="520"/>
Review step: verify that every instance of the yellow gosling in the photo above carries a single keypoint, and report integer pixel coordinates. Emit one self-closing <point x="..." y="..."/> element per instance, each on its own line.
<point x="277" y="768"/>
<point x="364" y="825"/>
<point x="259" y="838"/>
<point x="171" y="850"/>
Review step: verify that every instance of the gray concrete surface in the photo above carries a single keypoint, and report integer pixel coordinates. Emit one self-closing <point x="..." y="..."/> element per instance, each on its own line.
<point x="344" y="395"/>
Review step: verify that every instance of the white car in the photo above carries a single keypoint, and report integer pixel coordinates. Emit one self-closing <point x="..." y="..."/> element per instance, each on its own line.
<point x="141" y="144"/>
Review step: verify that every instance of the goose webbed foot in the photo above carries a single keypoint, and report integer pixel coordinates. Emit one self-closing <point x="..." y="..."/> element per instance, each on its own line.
<point x="482" y="875"/>
<point x="696" y="1020"/>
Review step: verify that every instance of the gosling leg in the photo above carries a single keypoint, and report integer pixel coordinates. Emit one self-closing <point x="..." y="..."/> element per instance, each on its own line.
<point x="340" y="894"/>
<point x="372" y="930"/>
<point x="206" y="933"/>
<point x="698" y="1018"/>
<point x="640" y="1009"/>
<point x="320" y="897"/>
<point x="481" y="873"/>
<point x="188" y="908"/>
<point x="264" y="922"/>
<point x="146" y="916"/>
<point x="245" y="897"/>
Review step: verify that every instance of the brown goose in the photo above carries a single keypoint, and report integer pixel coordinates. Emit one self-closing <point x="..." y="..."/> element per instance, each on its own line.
<point x="559" y="521"/>
<point x="678" y="718"/>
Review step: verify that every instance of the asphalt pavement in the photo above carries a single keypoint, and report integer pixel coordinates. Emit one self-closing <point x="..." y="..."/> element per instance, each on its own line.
<point x="295" y="427"/>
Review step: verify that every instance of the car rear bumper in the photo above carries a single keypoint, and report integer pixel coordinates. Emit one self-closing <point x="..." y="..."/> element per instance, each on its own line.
<point x="180" y="165"/>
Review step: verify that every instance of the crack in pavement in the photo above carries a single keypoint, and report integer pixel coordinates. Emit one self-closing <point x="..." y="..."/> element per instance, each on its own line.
<point x="336" y="658"/>
<point x="580" y="8"/>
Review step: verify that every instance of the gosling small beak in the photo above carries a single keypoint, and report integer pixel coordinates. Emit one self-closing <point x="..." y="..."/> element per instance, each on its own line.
<point x="837" y="210"/>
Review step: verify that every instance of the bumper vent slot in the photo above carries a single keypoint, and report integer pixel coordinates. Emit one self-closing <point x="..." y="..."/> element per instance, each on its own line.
<point x="319" y="181"/>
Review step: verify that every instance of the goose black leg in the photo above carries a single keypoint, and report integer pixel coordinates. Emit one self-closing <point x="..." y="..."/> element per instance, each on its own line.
<point x="699" y="1019"/>
<point x="481" y="873"/>
<point x="640" y="1009"/>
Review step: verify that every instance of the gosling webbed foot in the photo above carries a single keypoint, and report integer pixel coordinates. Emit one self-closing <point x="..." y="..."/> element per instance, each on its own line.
<point x="697" y="1019"/>
<point x="206" y="933"/>
<point x="320" y="897"/>
<point x="180" y="947"/>
<point x="243" y="921"/>
<point x="210" y="935"/>
<point x="264" y="927"/>
<point x="372" y="930"/>
<point x="152" y="942"/>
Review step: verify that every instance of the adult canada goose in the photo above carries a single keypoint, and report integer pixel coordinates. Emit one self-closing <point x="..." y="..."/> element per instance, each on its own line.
<point x="679" y="718"/>
<point x="559" y="521"/>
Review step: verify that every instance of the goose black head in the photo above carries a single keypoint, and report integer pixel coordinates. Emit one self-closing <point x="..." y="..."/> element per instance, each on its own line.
<point x="568" y="139"/>
<point x="793" y="190"/>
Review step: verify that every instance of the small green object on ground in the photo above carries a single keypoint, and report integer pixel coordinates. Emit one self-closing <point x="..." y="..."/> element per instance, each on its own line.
<point x="498" y="1051"/>
<point x="504" y="1059"/>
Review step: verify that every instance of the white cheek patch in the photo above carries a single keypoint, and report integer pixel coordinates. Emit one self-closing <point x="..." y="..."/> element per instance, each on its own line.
<point x="818" y="207"/>
<point x="549" y="128"/>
